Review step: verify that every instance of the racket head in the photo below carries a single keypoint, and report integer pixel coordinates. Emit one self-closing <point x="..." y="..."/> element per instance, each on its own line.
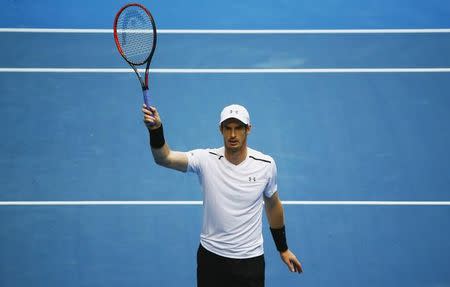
<point x="135" y="34"/>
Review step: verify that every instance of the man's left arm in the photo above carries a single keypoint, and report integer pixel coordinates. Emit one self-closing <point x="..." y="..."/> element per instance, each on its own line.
<point x="275" y="216"/>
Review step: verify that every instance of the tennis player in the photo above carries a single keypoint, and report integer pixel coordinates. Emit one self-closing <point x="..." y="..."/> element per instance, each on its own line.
<point x="236" y="180"/>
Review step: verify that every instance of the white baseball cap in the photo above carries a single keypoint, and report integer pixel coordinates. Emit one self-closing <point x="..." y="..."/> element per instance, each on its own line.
<point x="236" y="112"/>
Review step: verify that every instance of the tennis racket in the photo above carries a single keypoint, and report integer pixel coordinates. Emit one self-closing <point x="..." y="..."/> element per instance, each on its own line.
<point x="135" y="37"/>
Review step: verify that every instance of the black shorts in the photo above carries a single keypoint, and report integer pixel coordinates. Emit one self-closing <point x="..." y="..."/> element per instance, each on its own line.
<point x="217" y="271"/>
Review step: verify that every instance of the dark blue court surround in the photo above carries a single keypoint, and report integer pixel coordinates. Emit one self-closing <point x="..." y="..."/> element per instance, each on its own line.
<point x="251" y="14"/>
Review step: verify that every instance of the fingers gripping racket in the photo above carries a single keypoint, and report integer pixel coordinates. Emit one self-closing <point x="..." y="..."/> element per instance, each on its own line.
<point x="135" y="37"/>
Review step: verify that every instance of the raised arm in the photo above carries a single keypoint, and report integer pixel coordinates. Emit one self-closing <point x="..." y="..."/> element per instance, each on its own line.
<point x="161" y="151"/>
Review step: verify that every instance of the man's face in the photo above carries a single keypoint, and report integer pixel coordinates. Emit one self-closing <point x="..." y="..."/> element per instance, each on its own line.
<point x="234" y="134"/>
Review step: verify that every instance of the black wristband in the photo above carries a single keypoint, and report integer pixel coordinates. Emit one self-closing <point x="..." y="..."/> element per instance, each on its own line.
<point x="157" y="137"/>
<point x="279" y="236"/>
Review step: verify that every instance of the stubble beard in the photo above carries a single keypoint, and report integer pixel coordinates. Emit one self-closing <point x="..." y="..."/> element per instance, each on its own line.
<point x="235" y="149"/>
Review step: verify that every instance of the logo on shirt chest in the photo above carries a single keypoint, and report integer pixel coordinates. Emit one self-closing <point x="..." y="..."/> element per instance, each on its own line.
<point x="252" y="179"/>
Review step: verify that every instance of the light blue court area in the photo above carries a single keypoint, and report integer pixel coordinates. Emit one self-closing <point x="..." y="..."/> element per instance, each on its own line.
<point x="362" y="155"/>
<point x="155" y="246"/>
<point x="97" y="50"/>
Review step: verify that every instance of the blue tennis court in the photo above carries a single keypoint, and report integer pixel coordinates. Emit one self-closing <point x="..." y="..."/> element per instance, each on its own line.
<point x="357" y="121"/>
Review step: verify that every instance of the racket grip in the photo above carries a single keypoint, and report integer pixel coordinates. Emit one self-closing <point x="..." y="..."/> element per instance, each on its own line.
<point x="146" y="93"/>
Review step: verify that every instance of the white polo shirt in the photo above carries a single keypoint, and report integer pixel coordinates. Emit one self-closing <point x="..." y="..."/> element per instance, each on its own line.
<point x="233" y="200"/>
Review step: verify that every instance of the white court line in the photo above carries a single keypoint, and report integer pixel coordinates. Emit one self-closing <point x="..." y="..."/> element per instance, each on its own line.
<point x="235" y="31"/>
<point x="83" y="202"/>
<point x="395" y="203"/>
<point x="287" y="202"/>
<point x="229" y="71"/>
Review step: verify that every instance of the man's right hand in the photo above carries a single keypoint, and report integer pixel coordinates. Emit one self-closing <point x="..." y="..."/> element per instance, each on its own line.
<point x="151" y="117"/>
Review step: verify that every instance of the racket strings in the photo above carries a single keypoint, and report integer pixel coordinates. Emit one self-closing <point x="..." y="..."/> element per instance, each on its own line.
<point x="135" y="34"/>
